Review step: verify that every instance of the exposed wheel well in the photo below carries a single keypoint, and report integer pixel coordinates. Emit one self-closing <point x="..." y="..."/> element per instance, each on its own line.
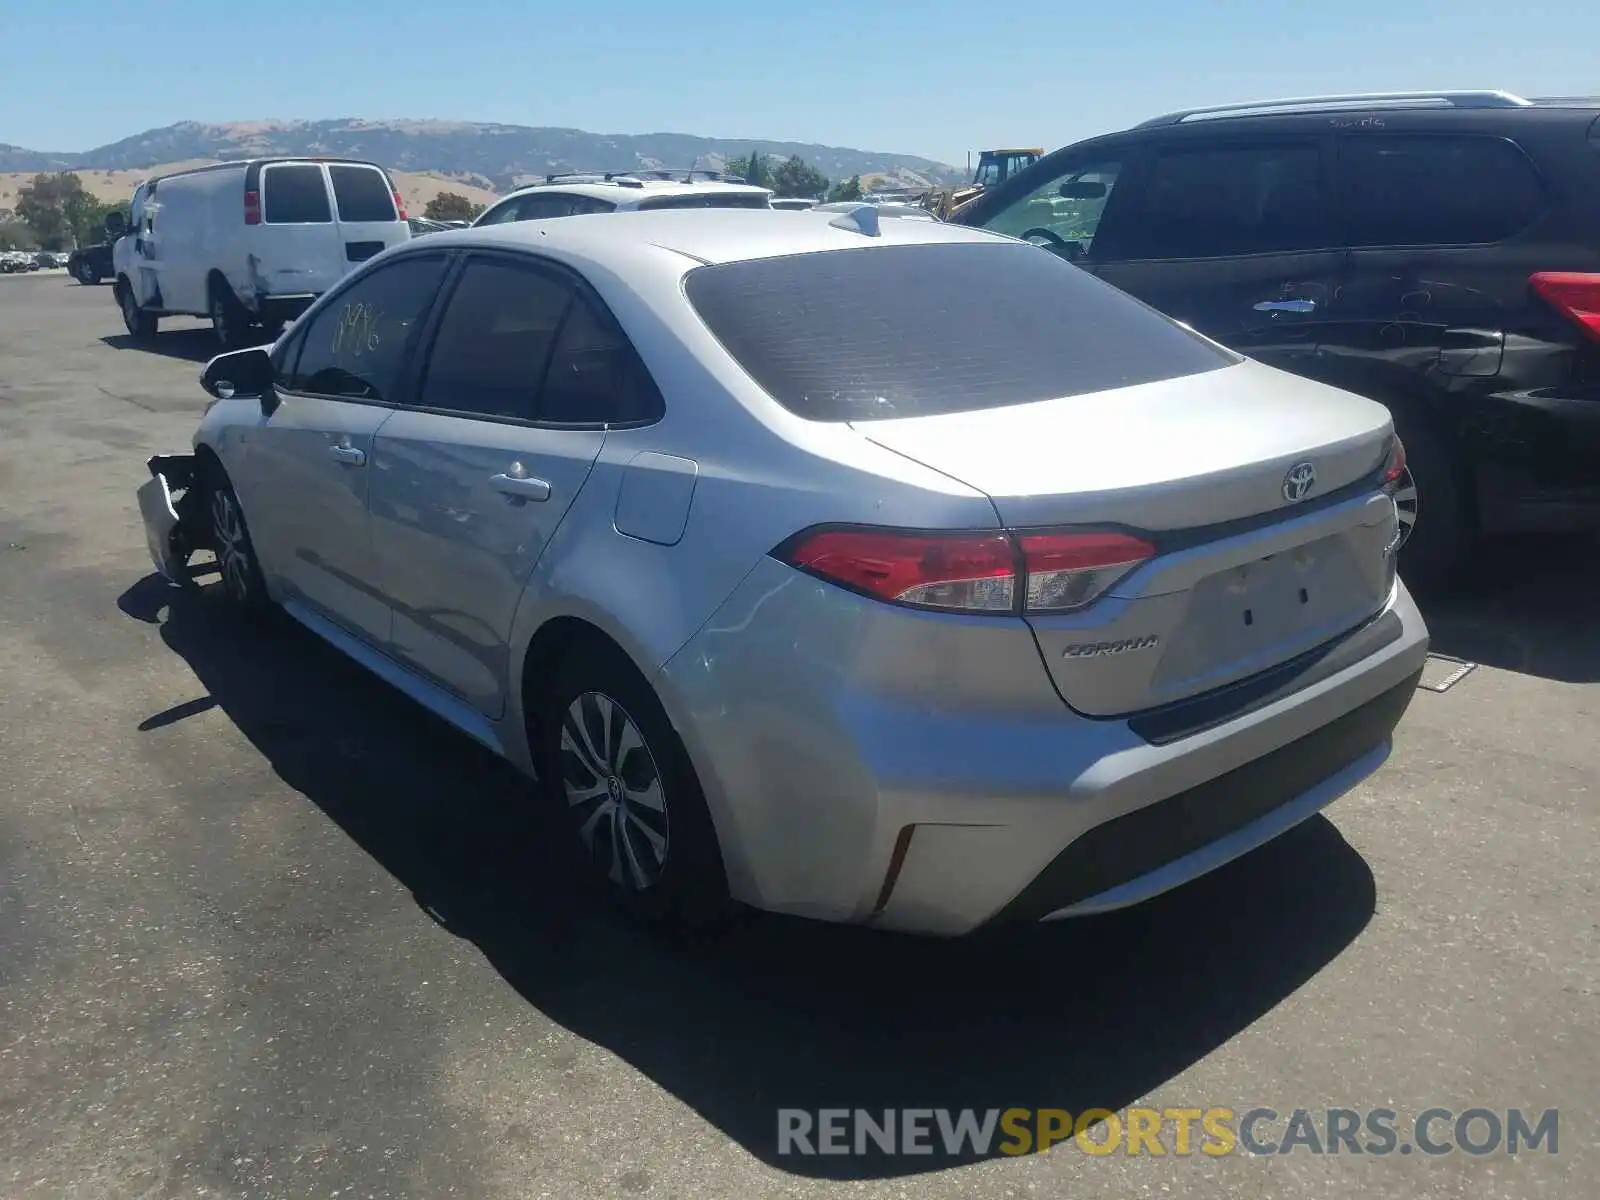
<point x="554" y="640"/>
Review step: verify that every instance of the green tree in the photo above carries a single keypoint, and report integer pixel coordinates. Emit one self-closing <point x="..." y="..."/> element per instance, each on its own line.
<point x="796" y="177"/>
<point x="14" y="235"/>
<point x="753" y="169"/>
<point x="847" y="189"/>
<point x="48" y="204"/>
<point x="451" y="206"/>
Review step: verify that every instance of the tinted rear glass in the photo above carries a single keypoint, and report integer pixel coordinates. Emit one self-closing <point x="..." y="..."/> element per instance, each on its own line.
<point x="711" y="200"/>
<point x="294" y="195"/>
<point x="902" y="331"/>
<point x="363" y="194"/>
<point x="1435" y="190"/>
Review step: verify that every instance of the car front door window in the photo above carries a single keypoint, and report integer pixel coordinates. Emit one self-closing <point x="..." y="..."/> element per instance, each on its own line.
<point x="1063" y="213"/>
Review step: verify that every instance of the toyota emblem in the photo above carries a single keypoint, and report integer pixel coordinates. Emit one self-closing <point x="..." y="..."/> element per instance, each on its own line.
<point x="1297" y="484"/>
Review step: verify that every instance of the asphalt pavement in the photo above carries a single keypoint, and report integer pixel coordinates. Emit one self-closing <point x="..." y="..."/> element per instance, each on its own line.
<point x="267" y="930"/>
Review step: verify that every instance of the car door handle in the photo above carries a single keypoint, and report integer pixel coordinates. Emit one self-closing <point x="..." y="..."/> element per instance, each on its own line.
<point x="348" y="455"/>
<point x="520" y="486"/>
<point x="1286" y="306"/>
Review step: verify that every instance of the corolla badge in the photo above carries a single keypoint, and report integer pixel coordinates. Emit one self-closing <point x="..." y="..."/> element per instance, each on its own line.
<point x="1297" y="484"/>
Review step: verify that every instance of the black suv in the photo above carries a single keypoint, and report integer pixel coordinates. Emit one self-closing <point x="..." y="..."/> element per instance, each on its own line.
<point x="1437" y="252"/>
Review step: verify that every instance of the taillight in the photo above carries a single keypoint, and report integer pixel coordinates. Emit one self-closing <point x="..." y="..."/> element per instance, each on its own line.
<point x="969" y="571"/>
<point x="399" y="204"/>
<point x="252" y="208"/>
<point x="1069" y="570"/>
<point x="1394" y="466"/>
<point x="1575" y="293"/>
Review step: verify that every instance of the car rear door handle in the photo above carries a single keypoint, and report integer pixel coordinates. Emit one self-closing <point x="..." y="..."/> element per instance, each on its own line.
<point x="348" y="455"/>
<point x="1286" y="306"/>
<point x="520" y="486"/>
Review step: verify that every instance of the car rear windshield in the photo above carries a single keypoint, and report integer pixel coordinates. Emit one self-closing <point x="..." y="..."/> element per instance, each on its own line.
<point x="905" y="331"/>
<point x="708" y="200"/>
<point x="363" y="194"/>
<point x="294" y="195"/>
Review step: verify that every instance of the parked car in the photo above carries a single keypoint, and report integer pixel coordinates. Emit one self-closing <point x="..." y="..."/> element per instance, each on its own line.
<point x="11" y="262"/>
<point x="578" y="194"/>
<point x="250" y="244"/>
<point x="1437" y="252"/>
<point x="804" y="567"/>
<point x="90" y="265"/>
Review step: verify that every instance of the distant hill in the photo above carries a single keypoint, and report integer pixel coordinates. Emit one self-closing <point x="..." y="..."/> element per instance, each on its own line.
<point x="491" y="157"/>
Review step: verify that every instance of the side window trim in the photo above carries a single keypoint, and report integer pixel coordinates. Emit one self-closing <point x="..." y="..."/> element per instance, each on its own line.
<point x="406" y="372"/>
<point x="1151" y="155"/>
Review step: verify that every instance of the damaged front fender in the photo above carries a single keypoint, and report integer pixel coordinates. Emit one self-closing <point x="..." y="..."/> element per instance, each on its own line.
<point x="174" y="525"/>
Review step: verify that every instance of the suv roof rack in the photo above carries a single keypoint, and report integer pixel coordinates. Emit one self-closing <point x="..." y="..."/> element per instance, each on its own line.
<point x="639" y="177"/>
<point x="1337" y="103"/>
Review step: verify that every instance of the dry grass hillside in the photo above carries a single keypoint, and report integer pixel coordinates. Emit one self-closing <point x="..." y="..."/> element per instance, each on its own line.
<point x="415" y="188"/>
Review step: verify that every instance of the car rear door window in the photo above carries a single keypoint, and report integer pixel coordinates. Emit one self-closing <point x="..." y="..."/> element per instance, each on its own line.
<point x="294" y="195"/>
<point x="1435" y="190"/>
<point x="595" y="375"/>
<point x="1213" y="201"/>
<point x="363" y="194"/>
<point x="495" y="340"/>
<point x="914" y="330"/>
<point x="356" y="344"/>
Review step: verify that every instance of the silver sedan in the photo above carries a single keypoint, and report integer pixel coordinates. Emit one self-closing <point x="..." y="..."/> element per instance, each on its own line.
<point x="868" y="569"/>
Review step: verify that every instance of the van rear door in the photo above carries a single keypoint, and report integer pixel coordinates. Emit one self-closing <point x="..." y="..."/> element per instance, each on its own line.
<point x="297" y="252"/>
<point x="368" y="210"/>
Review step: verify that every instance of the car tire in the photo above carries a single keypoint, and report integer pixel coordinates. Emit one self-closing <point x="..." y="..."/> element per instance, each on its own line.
<point x="229" y="321"/>
<point x="86" y="274"/>
<point x="608" y="755"/>
<point x="1432" y="496"/>
<point x="141" y="324"/>
<point x="240" y="572"/>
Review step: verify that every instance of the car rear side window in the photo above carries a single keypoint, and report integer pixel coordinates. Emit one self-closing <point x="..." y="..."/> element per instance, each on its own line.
<point x="595" y="375"/>
<point x="363" y="194"/>
<point x="707" y="200"/>
<point x="495" y="340"/>
<point x="355" y="345"/>
<point x="1435" y="190"/>
<point x="294" y="195"/>
<point x="912" y="330"/>
<point x="1214" y="201"/>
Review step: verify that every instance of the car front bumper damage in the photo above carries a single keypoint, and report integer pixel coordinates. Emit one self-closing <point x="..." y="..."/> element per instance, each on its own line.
<point x="169" y="504"/>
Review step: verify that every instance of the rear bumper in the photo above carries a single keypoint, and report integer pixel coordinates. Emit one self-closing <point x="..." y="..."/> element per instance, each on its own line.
<point x="844" y="790"/>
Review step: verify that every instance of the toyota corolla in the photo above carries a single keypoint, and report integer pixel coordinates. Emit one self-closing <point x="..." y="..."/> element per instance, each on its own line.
<point x="873" y="570"/>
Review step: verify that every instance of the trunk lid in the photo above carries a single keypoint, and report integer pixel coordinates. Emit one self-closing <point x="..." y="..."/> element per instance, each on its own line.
<point x="1258" y="560"/>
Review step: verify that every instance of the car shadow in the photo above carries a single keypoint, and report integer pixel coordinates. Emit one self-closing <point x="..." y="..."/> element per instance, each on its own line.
<point x="192" y="345"/>
<point x="776" y="1012"/>
<point x="1528" y="605"/>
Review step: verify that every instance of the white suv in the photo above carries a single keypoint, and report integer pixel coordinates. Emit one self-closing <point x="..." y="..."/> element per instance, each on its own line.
<point x="573" y="195"/>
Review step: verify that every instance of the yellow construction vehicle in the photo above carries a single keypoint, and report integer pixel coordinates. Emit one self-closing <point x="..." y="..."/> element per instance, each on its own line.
<point x="994" y="167"/>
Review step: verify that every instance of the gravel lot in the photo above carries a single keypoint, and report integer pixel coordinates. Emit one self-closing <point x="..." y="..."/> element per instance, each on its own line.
<point x="267" y="930"/>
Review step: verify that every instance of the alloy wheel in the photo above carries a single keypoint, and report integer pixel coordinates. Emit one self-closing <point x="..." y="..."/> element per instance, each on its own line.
<point x="1406" y="505"/>
<point x="233" y="549"/>
<point x="613" y="788"/>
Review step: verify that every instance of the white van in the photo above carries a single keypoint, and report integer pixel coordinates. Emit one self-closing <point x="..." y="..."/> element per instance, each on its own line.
<point x="249" y="244"/>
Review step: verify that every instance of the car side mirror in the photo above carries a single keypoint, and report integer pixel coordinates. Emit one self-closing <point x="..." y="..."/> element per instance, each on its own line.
<point x="1079" y="189"/>
<point x="243" y="374"/>
<point x="116" y="224"/>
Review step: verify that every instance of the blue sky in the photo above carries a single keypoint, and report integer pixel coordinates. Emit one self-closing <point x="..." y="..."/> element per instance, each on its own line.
<point x="932" y="77"/>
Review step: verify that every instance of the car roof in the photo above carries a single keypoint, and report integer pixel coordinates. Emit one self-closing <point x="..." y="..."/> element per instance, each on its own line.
<point x="617" y="189"/>
<point x="704" y="236"/>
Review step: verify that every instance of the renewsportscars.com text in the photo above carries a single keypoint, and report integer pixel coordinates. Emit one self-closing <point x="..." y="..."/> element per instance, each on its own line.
<point x="979" y="1133"/>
